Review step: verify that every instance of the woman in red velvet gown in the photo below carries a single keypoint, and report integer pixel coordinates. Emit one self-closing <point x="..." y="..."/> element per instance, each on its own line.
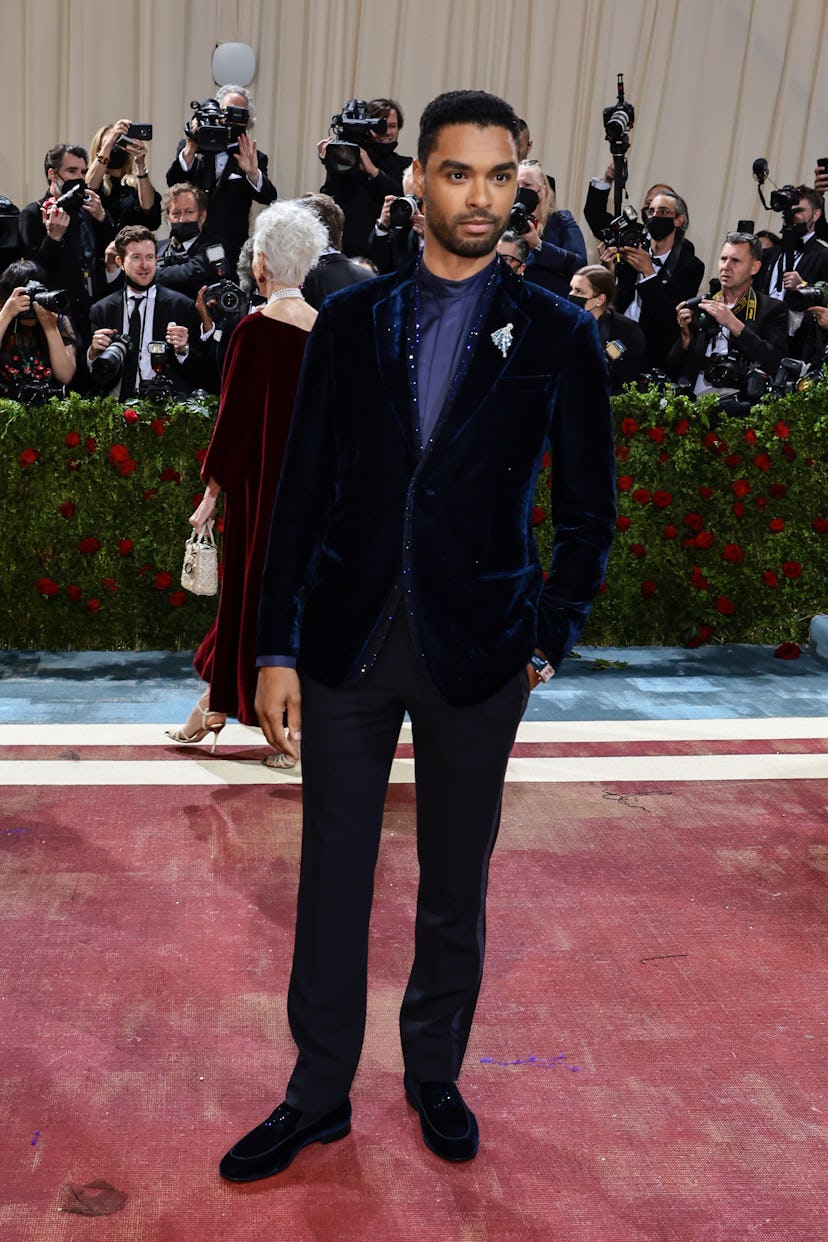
<point x="244" y="460"/>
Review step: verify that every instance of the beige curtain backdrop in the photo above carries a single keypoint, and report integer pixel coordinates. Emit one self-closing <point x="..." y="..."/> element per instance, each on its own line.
<point x="715" y="83"/>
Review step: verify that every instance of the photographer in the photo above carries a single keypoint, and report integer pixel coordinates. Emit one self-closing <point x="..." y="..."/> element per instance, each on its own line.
<point x="67" y="231"/>
<point x="183" y="264"/>
<point x="232" y="178"/>
<point x="810" y="265"/>
<point x="596" y="207"/>
<point x="556" y="244"/>
<point x="738" y="322"/>
<point x="593" y="289"/>
<point x="394" y="242"/>
<point x="141" y="314"/>
<point x="361" y="190"/>
<point x="37" y="345"/>
<point x="652" y="281"/>
<point x="118" y="172"/>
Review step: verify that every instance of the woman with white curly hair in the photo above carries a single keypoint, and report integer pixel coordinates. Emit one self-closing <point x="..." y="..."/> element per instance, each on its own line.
<point x="244" y="460"/>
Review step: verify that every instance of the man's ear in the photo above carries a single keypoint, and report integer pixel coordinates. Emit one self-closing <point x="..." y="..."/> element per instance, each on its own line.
<point x="118" y="260"/>
<point x="418" y="177"/>
<point x="756" y="266"/>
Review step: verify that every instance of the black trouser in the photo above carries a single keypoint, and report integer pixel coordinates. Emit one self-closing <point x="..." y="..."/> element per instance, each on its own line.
<point x="349" y="737"/>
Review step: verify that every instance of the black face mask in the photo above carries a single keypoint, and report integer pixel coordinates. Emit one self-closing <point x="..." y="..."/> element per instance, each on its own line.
<point x="133" y="284"/>
<point x="184" y="230"/>
<point x="71" y="184"/>
<point x="660" y="227"/>
<point x="528" y="197"/>
<point x="578" y="300"/>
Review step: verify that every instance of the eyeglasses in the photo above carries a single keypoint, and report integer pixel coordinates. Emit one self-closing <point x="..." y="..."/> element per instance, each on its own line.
<point x="514" y="263"/>
<point x="661" y="211"/>
<point x="183" y="213"/>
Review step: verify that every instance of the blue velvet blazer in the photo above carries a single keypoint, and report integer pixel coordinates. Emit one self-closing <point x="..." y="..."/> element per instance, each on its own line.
<point x="365" y="518"/>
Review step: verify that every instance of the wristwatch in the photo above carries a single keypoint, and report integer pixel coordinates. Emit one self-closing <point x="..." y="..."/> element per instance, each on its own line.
<point x="542" y="667"/>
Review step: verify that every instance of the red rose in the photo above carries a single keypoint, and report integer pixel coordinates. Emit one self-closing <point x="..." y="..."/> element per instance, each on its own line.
<point x="74" y="593"/>
<point x="170" y="476"/>
<point x="733" y="553"/>
<point x="739" y="509"/>
<point x="704" y="539"/>
<point x="776" y="525"/>
<point x="162" y="580"/>
<point x="669" y="532"/>
<point x="622" y="453"/>
<point x="656" y="434"/>
<point x="72" y="439"/>
<point x="178" y="599"/>
<point x="91" y="444"/>
<point x="648" y="588"/>
<point x="788" y="453"/>
<point x="682" y="427"/>
<point x="130" y="417"/>
<point x="149" y="493"/>
<point x="109" y="584"/>
<point x="538" y="515"/>
<point x="220" y="529"/>
<point x="637" y="549"/>
<point x="741" y="487"/>
<point x="125" y="546"/>
<point x="698" y="580"/>
<point x="705" y="492"/>
<point x="777" y="490"/>
<point x="750" y="437"/>
<point x="159" y="426"/>
<point x="47" y="587"/>
<point x="711" y="440"/>
<point x="625" y="482"/>
<point x="202" y="453"/>
<point x="546" y="460"/>
<point x="72" y="465"/>
<point x="628" y="426"/>
<point x="89" y="545"/>
<point x="694" y="521"/>
<point x="623" y="523"/>
<point x="782" y="430"/>
<point x="732" y="460"/>
<point x="770" y="578"/>
<point x="196" y="499"/>
<point x="820" y="525"/>
<point x="92" y="605"/>
<point x="762" y="462"/>
<point x="28" y="457"/>
<point x="662" y="499"/>
<point x="791" y="569"/>
<point x="662" y="458"/>
<point x="641" y="496"/>
<point x="788" y="651"/>
<point x="67" y="509"/>
<point x="725" y="606"/>
<point x="117" y="453"/>
<point x="761" y="501"/>
<point x="125" y="468"/>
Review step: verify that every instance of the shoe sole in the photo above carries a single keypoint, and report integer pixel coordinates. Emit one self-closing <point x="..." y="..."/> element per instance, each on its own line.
<point x="330" y="1136"/>
<point x="456" y="1159"/>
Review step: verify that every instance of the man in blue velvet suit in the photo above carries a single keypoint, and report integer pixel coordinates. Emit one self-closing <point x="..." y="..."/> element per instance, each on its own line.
<point x="403" y="576"/>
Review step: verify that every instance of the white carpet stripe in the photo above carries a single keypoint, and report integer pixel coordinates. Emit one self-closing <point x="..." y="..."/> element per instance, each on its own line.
<point x="645" y="769"/>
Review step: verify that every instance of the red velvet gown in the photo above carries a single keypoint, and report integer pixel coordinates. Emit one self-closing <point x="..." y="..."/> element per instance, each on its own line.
<point x="261" y="372"/>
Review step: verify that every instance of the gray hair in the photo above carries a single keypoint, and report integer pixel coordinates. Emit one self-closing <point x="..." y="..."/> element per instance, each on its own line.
<point x="229" y="89"/>
<point x="290" y="238"/>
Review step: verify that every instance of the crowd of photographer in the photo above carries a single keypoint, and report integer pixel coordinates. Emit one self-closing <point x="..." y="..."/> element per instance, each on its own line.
<point x="94" y="300"/>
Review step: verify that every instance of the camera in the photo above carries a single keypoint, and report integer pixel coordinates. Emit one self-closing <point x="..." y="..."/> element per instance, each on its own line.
<point x="619" y="119"/>
<point x="223" y="298"/>
<point x="73" y="199"/>
<point x="807" y="296"/>
<point x="140" y="132"/>
<point x="700" y="321"/>
<point x="352" y="129"/>
<point x="213" y="128"/>
<point x="726" y="371"/>
<point x="107" y="367"/>
<point x="626" y="230"/>
<point x="403" y="210"/>
<point x="160" y="388"/>
<point x="522" y="215"/>
<point x="56" y="300"/>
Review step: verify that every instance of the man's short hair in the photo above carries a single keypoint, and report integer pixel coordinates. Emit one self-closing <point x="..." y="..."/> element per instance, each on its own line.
<point x="681" y="208"/>
<point x="812" y="197"/>
<point x="746" y="239"/>
<point x="184" y="187"/>
<point x="331" y="215"/>
<point x="54" y="156"/>
<point x="381" y="107"/>
<point x="463" y="108"/>
<point x="132" y="233"/>
<point x="520" y="243"/>
<point x="602" y="280"/>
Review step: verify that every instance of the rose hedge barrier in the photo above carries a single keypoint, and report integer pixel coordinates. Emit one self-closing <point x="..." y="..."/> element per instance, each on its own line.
<point x="722" y="534"/>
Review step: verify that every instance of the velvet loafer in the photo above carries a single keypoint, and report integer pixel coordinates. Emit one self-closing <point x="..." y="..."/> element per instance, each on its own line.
<point x="448" y="1124"/>
<point x="271" y="1146"/>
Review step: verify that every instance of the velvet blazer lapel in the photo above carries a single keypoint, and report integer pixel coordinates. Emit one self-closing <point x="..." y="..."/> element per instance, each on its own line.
<point x="391" y="318"/>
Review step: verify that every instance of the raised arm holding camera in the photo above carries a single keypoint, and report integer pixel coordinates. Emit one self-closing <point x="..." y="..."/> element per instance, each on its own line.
<point x="118" y="172"/>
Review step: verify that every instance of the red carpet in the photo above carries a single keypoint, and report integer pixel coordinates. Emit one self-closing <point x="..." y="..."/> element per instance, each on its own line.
<point x="649" y="1060"/>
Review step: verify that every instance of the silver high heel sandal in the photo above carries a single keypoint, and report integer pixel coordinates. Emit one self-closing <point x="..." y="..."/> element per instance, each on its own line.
<point x="211" y="722"/>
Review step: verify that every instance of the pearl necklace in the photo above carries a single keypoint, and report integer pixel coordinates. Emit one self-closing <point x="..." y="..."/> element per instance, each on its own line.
<point x="290" y="292"/>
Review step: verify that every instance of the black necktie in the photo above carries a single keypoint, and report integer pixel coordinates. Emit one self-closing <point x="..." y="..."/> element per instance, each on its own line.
<point x="130" y="375"/>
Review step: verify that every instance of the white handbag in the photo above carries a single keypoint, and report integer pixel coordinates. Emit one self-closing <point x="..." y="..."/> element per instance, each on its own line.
<point x="199" y="573"/>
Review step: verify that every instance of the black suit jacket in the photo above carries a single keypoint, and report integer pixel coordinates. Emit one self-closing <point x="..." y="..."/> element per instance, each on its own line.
<point x="366" y="521"/>
<point x="764" y="341"/>
<point x="615" y="327"/>
<point x="660" y="295"/>
<point x="361" y="197"/>
<point x="229" y="197"/>
<point x="333" y="271"/>
<point x="185" y="271"/>
<point x="170" y="307"/>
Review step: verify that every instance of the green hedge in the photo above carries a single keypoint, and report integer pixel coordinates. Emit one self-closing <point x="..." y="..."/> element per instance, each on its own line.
<point x="722" y="535"/>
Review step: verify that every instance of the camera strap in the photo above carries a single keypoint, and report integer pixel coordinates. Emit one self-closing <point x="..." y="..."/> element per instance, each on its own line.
<point x="746" y="308"/>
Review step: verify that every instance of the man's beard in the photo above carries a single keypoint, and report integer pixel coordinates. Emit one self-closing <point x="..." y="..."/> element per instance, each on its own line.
<point x="448" y="234"/>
